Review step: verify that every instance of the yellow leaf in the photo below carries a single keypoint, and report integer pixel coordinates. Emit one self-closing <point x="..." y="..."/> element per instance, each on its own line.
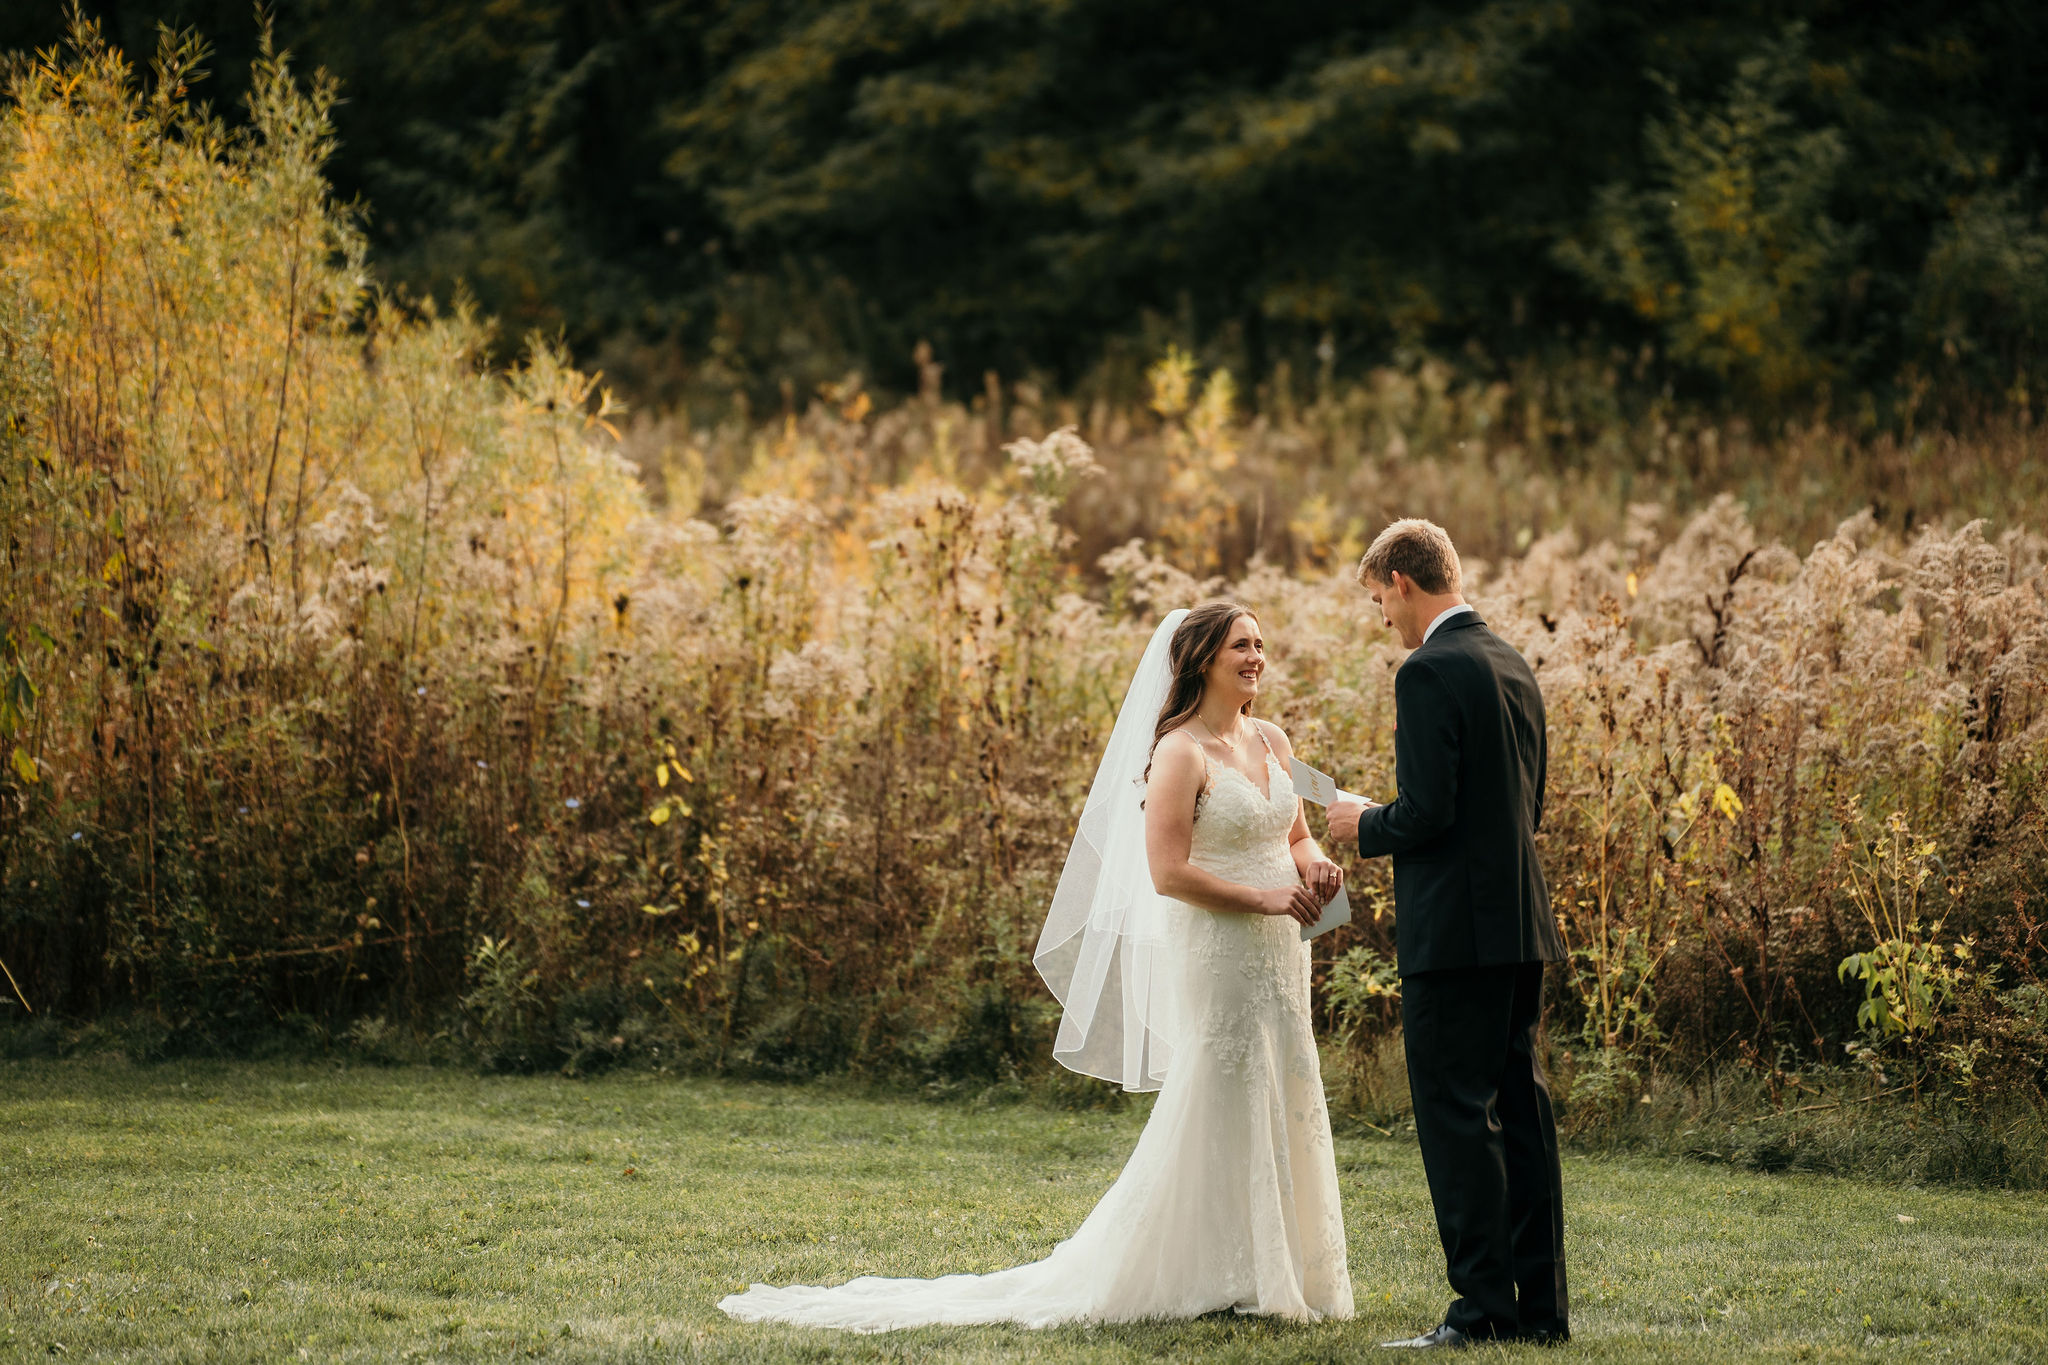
<point x="659" y="815"/>
<point x="661" y="775"/>
<point x="24" y="766"/>
<point x="1727" y="802"/>
<point x="656" y="909"/>
<point x="1632" y="585"/>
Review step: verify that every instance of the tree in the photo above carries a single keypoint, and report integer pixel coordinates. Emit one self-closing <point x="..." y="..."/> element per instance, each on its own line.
<point x="733" y="193"/>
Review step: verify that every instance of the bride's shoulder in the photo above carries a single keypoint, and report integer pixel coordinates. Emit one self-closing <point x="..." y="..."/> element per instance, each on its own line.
<point x="1275" y="736"/>
<point x="1177" y="763"/>
<point x="1179" y="747"/>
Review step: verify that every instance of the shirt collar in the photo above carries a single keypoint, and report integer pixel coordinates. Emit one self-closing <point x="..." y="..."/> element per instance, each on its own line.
<point x="1446" y="614"/>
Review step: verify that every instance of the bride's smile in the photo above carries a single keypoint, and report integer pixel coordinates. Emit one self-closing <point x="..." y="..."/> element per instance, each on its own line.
<point x="1239" y="665"/>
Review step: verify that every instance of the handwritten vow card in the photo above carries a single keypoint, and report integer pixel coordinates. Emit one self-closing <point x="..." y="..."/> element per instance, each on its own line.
<point x="1337" y="912"/>
<point x="1321" y="788"/>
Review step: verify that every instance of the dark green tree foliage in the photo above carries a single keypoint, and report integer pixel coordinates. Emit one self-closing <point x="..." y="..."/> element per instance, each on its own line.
<point x="1784" y="198"/>
<point x="511" y="146"/>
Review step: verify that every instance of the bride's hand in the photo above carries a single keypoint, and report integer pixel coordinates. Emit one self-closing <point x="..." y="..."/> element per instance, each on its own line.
<point x="1295" y="902"/>
<point x="1324" y="879"/>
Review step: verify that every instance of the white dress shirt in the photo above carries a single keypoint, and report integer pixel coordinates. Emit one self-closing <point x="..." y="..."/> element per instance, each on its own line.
<point x="1446" y="614"/>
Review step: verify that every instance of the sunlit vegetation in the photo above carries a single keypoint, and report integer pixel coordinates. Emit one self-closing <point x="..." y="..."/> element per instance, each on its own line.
<point x="361" y="690"/>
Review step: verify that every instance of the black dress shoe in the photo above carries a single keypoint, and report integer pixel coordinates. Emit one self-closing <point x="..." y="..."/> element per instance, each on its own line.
<point x="1441" y="1335"/>
<point x="1543" y="1336"/>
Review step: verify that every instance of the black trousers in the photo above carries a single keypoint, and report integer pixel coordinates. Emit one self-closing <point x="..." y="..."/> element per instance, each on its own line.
<point x="1489" y="1144"/>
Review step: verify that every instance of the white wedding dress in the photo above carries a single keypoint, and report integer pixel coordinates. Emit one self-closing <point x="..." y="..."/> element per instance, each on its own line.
<point x="1230" y="1199"/>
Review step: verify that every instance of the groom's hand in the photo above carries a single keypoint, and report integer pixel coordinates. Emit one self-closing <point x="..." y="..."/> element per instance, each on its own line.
<point x="1344" y="814"/>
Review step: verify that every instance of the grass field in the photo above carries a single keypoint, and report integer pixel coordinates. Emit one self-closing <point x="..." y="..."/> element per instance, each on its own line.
<point x="280" y="1212"/>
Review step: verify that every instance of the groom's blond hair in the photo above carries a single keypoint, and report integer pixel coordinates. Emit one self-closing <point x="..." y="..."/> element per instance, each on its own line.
<point x="1420" y="549"/>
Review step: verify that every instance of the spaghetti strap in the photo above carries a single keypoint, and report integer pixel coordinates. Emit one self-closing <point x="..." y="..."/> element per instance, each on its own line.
<point x="1262" y="736"/>
<point x="1208" y="766"/>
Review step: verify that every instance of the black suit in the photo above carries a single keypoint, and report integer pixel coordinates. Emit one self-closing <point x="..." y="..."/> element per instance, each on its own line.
<point x="1472" y="929"/>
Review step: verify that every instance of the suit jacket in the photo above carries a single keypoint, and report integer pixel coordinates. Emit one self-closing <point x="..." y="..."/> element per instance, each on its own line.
<point x="1469" y="761"/>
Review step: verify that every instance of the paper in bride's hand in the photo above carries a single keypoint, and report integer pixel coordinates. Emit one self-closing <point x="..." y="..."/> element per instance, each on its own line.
<point x="1337" y="912"/>
<point x="1318" y="787"/>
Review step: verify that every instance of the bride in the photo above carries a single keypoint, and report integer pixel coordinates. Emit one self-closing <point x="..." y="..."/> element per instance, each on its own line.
<point x="1174" y="945"/>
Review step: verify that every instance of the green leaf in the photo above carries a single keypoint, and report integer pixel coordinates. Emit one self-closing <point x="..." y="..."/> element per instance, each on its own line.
<point x="25" y="767"/>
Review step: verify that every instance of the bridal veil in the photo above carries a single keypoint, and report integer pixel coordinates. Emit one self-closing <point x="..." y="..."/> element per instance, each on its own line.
<point x="1103" y="950"/>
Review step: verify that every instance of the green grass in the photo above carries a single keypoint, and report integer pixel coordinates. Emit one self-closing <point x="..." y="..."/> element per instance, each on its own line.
<point x="279" y="1212"/>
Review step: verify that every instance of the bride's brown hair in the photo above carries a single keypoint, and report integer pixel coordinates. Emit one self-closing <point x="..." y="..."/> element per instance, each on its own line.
<point x="1196" y="642"/>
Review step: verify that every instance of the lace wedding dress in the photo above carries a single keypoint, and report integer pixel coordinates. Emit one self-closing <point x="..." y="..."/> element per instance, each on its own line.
<point x="1230" y="1199"/>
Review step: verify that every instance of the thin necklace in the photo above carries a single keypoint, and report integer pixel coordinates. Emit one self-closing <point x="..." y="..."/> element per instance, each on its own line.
<point x="1213" y="735"/>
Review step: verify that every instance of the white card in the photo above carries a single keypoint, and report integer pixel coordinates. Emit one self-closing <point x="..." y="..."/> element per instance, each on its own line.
<point x="1337" y="912"/>
<point x="1318" y="787"/>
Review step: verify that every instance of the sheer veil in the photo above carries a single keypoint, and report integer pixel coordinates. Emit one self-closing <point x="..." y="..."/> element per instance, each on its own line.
<point x="1103" y="950"/>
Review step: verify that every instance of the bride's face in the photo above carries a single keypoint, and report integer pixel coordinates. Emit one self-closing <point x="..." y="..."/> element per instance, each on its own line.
<point x="1238" y="666"/>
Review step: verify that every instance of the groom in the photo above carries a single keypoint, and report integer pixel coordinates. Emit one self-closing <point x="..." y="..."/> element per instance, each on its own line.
<point x="1473" y="929"/>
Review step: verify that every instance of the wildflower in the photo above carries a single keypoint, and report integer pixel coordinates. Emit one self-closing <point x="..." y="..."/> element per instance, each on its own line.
<point x="1059" y="457"/>
<point x="481" y="764"/>
<point x="819" y="671"/>
<point x="583" y="904"/>
<point x="77" y="834"/>
<point x="419" y="691"/>
<point x="573" y="804"/>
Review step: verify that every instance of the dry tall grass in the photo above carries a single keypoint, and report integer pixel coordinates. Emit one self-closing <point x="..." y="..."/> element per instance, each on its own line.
<point x="349" y="681"/>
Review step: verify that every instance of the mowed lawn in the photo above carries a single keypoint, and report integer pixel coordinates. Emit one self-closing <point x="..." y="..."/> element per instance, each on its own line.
<point x="281" y="1212"/>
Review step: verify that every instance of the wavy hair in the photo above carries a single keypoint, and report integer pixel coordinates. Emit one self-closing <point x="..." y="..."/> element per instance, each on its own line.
<point x="1196" y="642"/>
